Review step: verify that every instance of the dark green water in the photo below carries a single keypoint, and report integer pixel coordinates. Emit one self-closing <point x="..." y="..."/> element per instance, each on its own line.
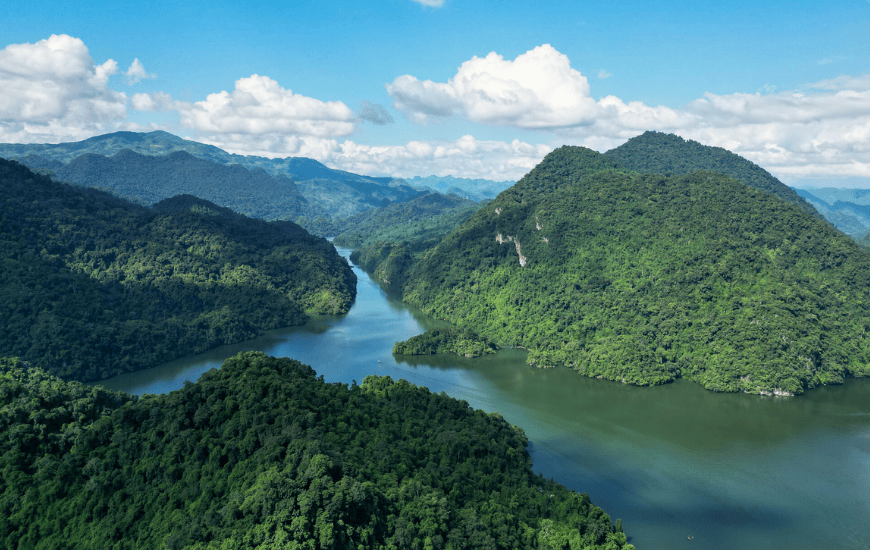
<point x="731" y="471"/>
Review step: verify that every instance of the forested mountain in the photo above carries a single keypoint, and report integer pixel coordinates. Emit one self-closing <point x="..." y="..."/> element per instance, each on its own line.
<point x="150" y="179"/>
<point x="92" y="285"/>
<point x="644" y="278"/>
<point x="473" y="189"/>
<point x="428" y="217"/>
<point x="659" y="153"/>
<point x="329" y="192"/>
<point x="263" y="454"/>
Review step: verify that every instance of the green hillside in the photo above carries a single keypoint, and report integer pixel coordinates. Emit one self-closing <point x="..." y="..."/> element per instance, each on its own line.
<point x="430" y="216"/>
<point x="92" y="285"/>
<point x="150" y="179"/>
<point x="645" y="278"/>
<point x="262" y="454"/>
<point x="659" y="153"/>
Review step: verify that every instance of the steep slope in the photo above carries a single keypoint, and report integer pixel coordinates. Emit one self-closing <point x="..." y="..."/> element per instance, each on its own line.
<point x="645" y="278"/>
<point x="150" y="179"/>
<point x="263" y="454"/>
<point x="427" y="217"/>
<point x="659" y="153"/>
<point x="329" y="192"/>
<point x="92" y="285"/>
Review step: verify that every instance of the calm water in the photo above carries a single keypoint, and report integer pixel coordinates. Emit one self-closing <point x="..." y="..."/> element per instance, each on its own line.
<point x="732" y="471"/>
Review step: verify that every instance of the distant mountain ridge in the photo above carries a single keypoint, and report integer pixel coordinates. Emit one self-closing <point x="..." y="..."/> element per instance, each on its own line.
<point x="473" y="189"/>
<point x="333" y="193"/>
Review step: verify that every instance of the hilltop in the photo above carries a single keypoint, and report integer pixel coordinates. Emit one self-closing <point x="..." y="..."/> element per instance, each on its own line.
<point x="262" y="453"/>
<point x="92" y="285"/>
<point x="644" y="278"/>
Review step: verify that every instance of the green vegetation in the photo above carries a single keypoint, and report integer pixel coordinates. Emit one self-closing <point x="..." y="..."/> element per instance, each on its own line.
<point x="426" y="218"/>
<point x="658" y="153"/>
<point x="447" y="340"/>
<point x="92" y="285"/>
<point x="644" y="278"/>
<point x="474" y="189"/>
<point x="263" y="454"/>
<point x="328" y="192"/>
<point x="150" y="179"/>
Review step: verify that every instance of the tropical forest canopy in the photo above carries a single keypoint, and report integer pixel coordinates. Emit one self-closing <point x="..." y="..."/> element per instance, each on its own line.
<point x="92" y="285"/>
<point x="645" y="278"/>
<point x="262" y="454"/>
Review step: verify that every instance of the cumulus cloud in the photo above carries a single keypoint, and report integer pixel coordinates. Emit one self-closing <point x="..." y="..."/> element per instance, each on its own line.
<point x="154" y="102"/>
<point x="538" y="89"/>
<point x="259" y="105"/>
<point x="53" y="91"/>
<point x="137" y="73"/>
<point x="374" y="113"/>
<point x="822" y="128"/>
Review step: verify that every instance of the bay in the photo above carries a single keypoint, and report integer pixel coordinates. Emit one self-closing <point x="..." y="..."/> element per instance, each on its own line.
<point x="675" y="461"/>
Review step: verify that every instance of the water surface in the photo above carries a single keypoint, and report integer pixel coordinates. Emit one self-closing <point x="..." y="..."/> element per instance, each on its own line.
<point x="733" y="471"/>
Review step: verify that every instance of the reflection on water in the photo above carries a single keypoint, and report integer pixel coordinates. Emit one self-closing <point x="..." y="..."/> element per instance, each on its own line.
<point x="730" y="470"/>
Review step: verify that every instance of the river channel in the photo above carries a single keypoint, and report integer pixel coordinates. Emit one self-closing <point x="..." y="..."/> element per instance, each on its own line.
<point x="732" y="471"/>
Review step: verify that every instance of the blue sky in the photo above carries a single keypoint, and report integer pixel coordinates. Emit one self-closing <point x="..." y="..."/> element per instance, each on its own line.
<point x="473" y="89"/>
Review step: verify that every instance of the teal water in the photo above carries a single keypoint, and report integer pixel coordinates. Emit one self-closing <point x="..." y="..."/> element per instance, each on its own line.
<point x="733" y="471"/>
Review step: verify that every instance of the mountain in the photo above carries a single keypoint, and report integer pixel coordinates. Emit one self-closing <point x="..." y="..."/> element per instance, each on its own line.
<point x="645" y="278"/>
<point x="472" y="189"/>
<point x="847" y="209"/>
<point x="150" y="179"/>
<point x="92" y="285"/>
<point x="330" y="192"/>
<point x="659" y="153"/>
<point x="264" y="454"/>
<point x="427" y="217"/>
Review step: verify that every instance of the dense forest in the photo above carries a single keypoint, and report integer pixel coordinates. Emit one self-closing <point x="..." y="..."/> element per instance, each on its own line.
<point x="660" y="153"/>
<point x="92" y="285"/>
<point x="644" y="278"/>
<point x="447" y="340"/>
<point x="264" y="454"/>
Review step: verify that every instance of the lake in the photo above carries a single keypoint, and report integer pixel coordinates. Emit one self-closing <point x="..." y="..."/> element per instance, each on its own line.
<point x="733" y="471"/>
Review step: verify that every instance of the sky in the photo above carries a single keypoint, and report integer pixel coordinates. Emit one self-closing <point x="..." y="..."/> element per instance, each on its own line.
<point x="476" y="89"/>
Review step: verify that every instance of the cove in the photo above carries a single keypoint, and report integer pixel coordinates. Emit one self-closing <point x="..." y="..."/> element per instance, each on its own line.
<point x="732" y="471"/>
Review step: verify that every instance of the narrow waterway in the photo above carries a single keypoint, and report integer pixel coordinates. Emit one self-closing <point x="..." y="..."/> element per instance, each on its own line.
<point x="732" y="471"/>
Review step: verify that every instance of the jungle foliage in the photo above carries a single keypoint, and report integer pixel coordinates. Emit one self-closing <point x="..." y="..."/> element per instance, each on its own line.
<point x="644" y="278"/>
<point x="660" y="153"/>
<point x="262" y="454"/>
<point x="92" y="285"/>
<point x="447" y="340"/>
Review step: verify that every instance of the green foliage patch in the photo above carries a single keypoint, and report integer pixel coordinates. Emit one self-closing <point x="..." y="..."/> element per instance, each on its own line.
<point x="447" y="340"/>
<point x="263" y="454"/>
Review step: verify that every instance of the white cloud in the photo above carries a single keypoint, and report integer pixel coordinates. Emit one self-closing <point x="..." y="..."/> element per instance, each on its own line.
<point x="823" y="128"/>
<point x="137" y="73"/>
<point x="154" y="102"/>
<point x="604" y="74"/>
<point x="260" y="106"/>
<point x="465" y="157"/>
<point x="53" y="91"/>
<point x="538" y="89"/>
<point x="374" y="113"/>
<point x="431" y="3"/>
